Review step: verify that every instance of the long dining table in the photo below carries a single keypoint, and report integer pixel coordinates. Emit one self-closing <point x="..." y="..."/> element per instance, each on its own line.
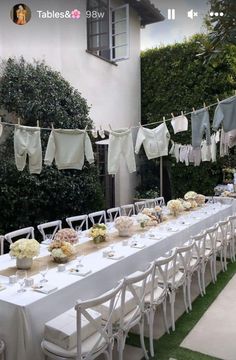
<point x="23" y="315"/>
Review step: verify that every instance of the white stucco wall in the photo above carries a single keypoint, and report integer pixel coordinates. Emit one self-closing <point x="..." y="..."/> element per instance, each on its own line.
<point x="113" y="92"/>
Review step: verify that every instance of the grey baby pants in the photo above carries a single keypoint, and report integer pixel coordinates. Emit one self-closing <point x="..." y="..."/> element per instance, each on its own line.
<point x="200" y="125"/>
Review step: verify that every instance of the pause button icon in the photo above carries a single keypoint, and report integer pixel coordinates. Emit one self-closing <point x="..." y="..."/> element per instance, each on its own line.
<point x="171" y="14"/>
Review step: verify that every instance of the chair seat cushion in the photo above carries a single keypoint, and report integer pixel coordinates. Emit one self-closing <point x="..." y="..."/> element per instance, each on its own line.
<point x="62" y="329"/>
<point x="87" y="346"/>
<point x="158" y="296"/>
<point x="130" y="304"/>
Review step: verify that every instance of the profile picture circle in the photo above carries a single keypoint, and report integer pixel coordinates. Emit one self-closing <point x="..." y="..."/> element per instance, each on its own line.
<point x="20" y="14"/>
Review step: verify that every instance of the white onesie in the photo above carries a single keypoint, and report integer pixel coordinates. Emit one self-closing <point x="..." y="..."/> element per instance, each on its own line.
<point x="120" y="143"/>
<point x="155" y="141"/>
<point x="205" y="151"/>
<point x="179" y="123"/>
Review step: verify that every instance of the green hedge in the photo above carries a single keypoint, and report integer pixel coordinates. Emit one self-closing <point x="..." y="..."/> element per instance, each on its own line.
<point x="36" y="92"/>
<point x="175" y="79"/>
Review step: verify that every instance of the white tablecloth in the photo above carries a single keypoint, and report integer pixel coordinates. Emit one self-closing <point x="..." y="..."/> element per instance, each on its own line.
<point x="23" y="315"/>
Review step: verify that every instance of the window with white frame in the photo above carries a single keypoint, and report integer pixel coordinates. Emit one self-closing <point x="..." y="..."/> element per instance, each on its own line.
<point x="108" y="30"/>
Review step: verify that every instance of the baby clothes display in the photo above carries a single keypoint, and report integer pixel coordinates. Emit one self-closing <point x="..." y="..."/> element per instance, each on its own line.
<point x="69" y="147"/>
<point x="179" y="123"/>
<point x="184" y="154"/>
<point x="205" y="151"/>
<point x="174" y="151"/>
<point x="120" y="143"/>
<point x="27" y="141"/>
<point x="155" y="141"/>
<point x="225" y="113"/>
<point x="200" y="125"/>
<point x="227" y="140"/>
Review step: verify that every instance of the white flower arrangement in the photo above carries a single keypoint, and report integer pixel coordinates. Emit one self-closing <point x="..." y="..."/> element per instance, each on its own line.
<point x="174" y="206"/>
<point x="25" y="248"/>
<point x="123" y="223"/>
<point x="61" y="250"/>
<point x="190" y="195"/>
<point x="187" y="205"/>
<point x="142" y="219"/>
<point x="200" y="199"/>
<point x="98" y="233"/>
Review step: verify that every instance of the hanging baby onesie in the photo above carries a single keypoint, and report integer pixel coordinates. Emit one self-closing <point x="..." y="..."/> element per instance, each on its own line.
<point x="155" y="141"/>
<point x="179" y="123"/>
<point x="194" y="155"/>
<point x="200" y="125"/>
<point x="174" y="151"/>
<point x="213" y="147"/>
<point x="205" y="151"/>
<point x="227" y="140"/>
<point x="69" y="147"/>
<point x="225" y="113"/>
<point x="27" y="141"/>
<point x="120" y="143"/>
<point x="184" y="154"/>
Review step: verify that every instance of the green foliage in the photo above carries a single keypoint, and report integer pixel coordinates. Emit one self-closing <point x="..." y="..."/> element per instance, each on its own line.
<point x="36" y="92"/>
<point x="175" y="79"/>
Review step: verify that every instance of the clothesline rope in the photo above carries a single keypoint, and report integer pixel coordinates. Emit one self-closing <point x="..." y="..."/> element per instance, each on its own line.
<point x="131" y="127"/>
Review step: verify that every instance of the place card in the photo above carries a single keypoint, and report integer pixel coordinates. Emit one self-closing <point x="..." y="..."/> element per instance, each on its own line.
<point x="138" y="245"/>
<point x="80" y="271"/>
<point x="45" y="289"/>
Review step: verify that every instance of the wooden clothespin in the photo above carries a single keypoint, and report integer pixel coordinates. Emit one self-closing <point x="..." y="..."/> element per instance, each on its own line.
<point x="52" y="126"/>
<point x="194" y="109"/>
<point x="164" y="119"/>
<point x="204" y="105"/>
<point x="182" y="113"/>
<point x="37" y="123"/>
<point x="218" y="100"/>
<point x="235" y="92"/>
<point x="139" y="124"/>
<point x="18" y="120"/>
<point x="172" y="115"/>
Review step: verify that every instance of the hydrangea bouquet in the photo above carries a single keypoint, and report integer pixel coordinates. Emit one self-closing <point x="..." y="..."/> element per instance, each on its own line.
<point x="25" y="248"/>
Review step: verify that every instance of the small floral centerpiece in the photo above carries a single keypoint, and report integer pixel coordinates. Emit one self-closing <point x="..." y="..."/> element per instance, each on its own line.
<point x="186" y="205"/>
<point x="200" y="199"/>
<point x="152" y="214"/>
<point x="175" y="207"/>
<point x="61" y="251"/>
<point x="98" y="233"/>
<point x="24" y="250"/>
<point x="142" y="219"/>
<point x="190" y="195"/>
<point x="124" y="224"/>
<point x="67" y="235"/>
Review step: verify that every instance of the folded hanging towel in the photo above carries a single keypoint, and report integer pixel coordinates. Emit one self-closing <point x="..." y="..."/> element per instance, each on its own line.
<point x="69" y="147"/>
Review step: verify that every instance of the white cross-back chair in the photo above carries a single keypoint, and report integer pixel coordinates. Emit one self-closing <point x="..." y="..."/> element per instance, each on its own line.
<point x="2" y="244"/>
<point x="113" y="213"/>
<point x="224" y="236"/>
<point x="127" y="210"/>
<point x="160" y="201"/>
<point x="92" y="336"/>
<point x="157" y="293"/>
<point x="2" y="350"/>
<point x="209" y="199"/>
<point x="79" y="222"/>
<point x="49" y="229"/>
<point x="139" y="206"/>
<point x="98" y="217"/>
<point x="150" y="203"/>
<point x="27" y="233"/>
<point x="232" y="220"/>
<point x="212" y="248"/>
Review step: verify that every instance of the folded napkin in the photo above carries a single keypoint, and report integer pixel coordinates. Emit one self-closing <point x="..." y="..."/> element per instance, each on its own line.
<point x="138" y="246"/>
<point x="155" y="237"/>
<point x="45" y="289"/>
<point x="114" y="256"/>
<point x="80" y="271"/>
<point x="172" y="229"/>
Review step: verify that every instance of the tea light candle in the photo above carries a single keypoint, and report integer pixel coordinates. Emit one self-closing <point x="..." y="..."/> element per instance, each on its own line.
<point x="12" y="279"/>
<point x="29" y="282"/>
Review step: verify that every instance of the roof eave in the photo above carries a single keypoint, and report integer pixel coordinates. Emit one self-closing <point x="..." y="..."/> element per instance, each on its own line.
<point x="148" y="13"/>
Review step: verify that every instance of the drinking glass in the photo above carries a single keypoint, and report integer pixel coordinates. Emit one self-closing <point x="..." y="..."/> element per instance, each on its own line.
<point x="78" y="230"/>
<point x="43" y="273"/>
<point x="21" y="275"/>
<point x="79" y="260"/>
<point x="48" y="238"/>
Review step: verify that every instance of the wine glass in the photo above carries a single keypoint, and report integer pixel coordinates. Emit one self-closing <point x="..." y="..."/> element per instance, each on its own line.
<point x="21" y="275"/>
<point x="43" y="273"/>
<point x="79" y="260"/>
<point x="78" y="230"/>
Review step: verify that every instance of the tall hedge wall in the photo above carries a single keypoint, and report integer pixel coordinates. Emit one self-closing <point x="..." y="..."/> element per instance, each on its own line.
<point x="36" y="92"/>
<point x="174" y="79"/>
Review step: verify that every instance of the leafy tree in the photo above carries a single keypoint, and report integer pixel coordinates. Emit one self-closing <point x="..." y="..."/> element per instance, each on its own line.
<point x="175" y="79"/>
<point x="36" y="92"/>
